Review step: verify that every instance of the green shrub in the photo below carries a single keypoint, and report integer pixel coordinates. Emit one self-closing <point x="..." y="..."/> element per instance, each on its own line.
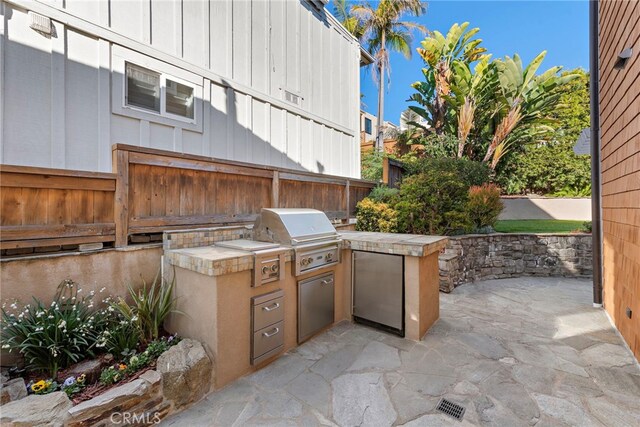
<point x="151" y="306"/>
<point x="433" y="203"/>
<point x="55" y="336"/>
<point x="376" y="216"/>
<point x="587" y="227"/>
<point x="484" y="205"/>
<point x="371" y="165"/>
<point x="466" y="171"/>
<point x="383" y="194"/>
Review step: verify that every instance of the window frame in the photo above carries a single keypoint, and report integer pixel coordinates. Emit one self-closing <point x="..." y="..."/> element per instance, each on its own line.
<point x="122" y="56"/>
<point x="370" y="122"/>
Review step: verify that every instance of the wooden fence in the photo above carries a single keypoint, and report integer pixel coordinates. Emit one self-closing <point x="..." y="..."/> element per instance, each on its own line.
<point x="152" y="191"/>
<point x="392" y="172"/>
<point x="53" y="207"/>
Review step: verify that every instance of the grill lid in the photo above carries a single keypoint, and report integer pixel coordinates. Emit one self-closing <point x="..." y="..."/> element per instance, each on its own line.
<point x="293" y="226"/>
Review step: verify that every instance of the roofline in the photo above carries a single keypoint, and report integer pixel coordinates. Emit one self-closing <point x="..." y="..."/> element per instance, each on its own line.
<point x="365" y="57"/>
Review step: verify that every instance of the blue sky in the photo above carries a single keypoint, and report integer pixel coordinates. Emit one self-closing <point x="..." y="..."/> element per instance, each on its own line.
<point x="506" y="27"/>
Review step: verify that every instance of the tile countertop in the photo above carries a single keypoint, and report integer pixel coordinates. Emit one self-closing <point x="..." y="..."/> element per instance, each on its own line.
<point x="391" y="243"/>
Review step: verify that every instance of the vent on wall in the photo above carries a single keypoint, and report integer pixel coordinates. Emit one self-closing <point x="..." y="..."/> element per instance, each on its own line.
<point x="40" y="23"/>
<point x="292" y="98"/>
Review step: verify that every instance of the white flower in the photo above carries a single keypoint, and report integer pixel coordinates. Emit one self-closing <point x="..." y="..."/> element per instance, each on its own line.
<point x="110" y="309"/>
<point x="50" y="316"/>
<point x="79" y="290"/>
<point x="38" y="329"/>
<point x="5" y="346"/>
<point x="21" y="315"/>
<point x="39" y="314"/>
<point x="103" y="289"/>
<point x="14" y="306"/>
<point x="62" y="324"/>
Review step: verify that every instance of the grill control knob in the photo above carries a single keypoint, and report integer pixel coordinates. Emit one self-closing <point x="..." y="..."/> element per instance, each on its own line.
<point x="304" y="261"/>
<point x="309" y="260"/>
<point x="265" y="269"/>
<point x="274" y="268"/>
<point x="329" y="256"/>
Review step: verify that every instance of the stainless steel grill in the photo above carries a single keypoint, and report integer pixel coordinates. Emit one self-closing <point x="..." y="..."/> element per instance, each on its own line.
<point x="315" y="242"/>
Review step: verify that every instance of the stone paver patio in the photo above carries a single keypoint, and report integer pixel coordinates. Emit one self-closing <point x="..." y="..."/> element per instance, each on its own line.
<point x="513" y="352"/>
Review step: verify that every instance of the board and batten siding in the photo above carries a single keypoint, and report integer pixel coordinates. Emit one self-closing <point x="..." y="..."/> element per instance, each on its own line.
<point x="61" y="96"/>
<point x="620" y="139"/>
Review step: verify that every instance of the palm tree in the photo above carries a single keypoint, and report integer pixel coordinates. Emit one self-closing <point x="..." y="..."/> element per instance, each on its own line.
<point x="384" y="31"/>
<point x="342" y="12"/>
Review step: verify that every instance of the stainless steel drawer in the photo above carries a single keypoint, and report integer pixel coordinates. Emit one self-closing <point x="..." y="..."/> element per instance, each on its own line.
<point x="267" y="342"/>
<point x="268" y="313"/>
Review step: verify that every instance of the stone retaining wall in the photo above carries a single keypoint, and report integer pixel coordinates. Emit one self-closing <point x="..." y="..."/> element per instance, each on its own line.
<point x="496" y="256"/>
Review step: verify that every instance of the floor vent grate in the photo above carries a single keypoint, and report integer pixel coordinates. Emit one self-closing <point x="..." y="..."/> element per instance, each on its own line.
<point x="452" y="409"/>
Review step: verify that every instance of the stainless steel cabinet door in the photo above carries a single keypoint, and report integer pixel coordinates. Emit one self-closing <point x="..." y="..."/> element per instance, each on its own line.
<point x="378" y="288"/>
<point x="315" y="305"/>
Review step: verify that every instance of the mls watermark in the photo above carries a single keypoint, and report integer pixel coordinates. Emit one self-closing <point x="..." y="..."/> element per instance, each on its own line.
<point x="129" y="418"/>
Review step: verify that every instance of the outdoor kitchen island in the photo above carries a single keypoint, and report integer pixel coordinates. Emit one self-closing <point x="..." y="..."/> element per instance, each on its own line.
<point x="245" y="325"/>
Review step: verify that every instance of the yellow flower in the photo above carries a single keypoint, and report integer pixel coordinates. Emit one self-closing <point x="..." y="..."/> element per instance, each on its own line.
<point x="122" y="367"/>
<point x="81" y="379"/>
<point x="39" y="386"/>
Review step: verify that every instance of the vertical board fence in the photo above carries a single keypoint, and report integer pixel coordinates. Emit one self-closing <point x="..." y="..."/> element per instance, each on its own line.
<point x="52" y="207"/>
<point x="160" y="190"/>
<point x="392" y="172"/>
<point x="154" y="190"/>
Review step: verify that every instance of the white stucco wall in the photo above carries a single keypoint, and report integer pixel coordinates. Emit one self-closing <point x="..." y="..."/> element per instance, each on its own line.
<point x="546" y="208"/>
<point x="58" y="107"/>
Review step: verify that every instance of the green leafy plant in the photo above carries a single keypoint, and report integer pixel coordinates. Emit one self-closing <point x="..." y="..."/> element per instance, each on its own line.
<point x="52" y="337"/>
<point x="587" y="227"/>
<point x="376" y="216"/>
<point x="371" y="165"/>
<point x="113" y="374"/>
<point x="484" y="205"/>
<point x="383" y="194"/>
<point x="151" y="306"/>
<point x="122" y="338"/>
<point x="433" y="204"/>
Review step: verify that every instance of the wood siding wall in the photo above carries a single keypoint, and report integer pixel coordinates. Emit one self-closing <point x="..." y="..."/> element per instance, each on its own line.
<point x="619" y="28"/>
<point x="155" y="190"/>
<point x="62" y="103"/>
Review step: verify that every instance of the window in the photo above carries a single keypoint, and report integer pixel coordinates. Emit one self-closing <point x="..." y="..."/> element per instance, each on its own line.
<point x="142" y="88"/>
<point x="145" y="88"/>
<point x="367" y="126"/>
<point x="179" y="99"/>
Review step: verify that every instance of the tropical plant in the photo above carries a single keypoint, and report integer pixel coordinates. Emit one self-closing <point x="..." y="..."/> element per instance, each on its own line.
<point x="552" y="167"/>
<point x="492" y="108"/>
<point x="54" y="336"/>
<point x="384" y="31"/>
<point x="484" y="205"/>
<point x="151" y="306"/>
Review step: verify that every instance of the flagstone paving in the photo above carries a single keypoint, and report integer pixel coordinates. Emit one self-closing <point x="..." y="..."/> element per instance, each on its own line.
<point x="513" y="352"/>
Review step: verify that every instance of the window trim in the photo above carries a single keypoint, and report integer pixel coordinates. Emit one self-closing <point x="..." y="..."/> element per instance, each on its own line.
<point x="122" y="56"/>
<point x="370" y="131"/>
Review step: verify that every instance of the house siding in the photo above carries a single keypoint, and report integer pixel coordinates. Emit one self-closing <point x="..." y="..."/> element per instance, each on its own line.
<point x="56" y="101"/>
<point x="620" y="157"/>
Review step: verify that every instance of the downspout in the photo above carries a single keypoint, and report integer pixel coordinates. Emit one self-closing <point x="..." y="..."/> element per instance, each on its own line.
<point x="596" y="197"/>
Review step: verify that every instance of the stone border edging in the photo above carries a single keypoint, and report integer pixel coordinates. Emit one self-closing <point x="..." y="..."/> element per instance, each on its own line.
<point x="183" y="376"/>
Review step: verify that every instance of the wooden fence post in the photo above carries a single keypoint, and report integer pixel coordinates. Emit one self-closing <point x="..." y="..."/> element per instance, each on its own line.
<point x="385" y="170"/>
<point x="120" y="159"/>
<point x="347" y="200"/>
<point x="275" y="190"/>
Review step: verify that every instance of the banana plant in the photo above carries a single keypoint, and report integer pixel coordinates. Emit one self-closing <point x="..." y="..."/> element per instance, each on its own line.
<point x="528" y="102"/>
